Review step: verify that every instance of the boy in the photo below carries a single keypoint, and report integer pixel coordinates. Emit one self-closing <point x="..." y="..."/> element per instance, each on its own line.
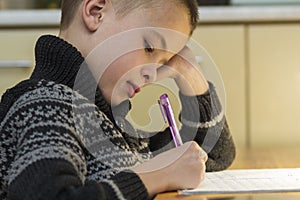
<point x="60" y="139"/>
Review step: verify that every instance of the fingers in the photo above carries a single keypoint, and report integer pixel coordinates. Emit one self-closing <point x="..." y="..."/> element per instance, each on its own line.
<point x="177" y="62"/>
<point x="198" y="151"/>
<point x="197" y="158"/>
<point x="203" y="155"/>
<point x="184" y="167"/>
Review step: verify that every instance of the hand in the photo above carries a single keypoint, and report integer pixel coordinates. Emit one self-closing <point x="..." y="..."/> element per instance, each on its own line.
<point x="179" y="168"/>
<point x="183" y="69"/>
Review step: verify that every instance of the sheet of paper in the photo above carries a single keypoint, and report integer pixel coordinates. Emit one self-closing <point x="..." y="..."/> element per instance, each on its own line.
<point x="249" y="181"/>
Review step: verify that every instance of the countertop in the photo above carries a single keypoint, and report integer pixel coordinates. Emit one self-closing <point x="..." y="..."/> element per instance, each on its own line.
<point x="210" y="15"/>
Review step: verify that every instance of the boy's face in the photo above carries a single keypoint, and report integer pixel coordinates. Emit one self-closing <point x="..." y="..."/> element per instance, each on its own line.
<point x="135" y="51"/>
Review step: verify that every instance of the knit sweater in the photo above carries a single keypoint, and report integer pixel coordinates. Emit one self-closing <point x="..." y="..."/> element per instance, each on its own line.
<point x="58" y="143"/>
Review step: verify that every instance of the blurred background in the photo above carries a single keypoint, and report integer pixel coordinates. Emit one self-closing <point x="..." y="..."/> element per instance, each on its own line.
<point x="254" y="43"/>
<point x="29" y="4"/>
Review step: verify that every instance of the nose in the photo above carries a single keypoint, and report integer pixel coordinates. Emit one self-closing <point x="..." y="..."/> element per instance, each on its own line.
<point x="149" y="73"/>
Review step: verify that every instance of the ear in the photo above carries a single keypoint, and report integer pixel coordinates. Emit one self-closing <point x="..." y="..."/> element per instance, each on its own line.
<point x="92" y="13"/>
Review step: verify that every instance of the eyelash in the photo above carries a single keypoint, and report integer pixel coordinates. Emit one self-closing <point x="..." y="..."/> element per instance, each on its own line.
<point x="148" y="47"/>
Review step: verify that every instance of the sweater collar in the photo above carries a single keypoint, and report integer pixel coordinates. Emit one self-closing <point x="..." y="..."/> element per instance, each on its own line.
<point x="62" y="63"/>
<point x="56" y="60"/>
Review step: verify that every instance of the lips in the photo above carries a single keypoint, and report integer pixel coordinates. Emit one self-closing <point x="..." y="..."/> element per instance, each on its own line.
<point x="133" y="89"/>
<point x="137" y="90"/>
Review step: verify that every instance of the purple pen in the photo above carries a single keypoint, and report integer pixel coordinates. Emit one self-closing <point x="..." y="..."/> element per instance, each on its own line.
<point x="168" y="116"/>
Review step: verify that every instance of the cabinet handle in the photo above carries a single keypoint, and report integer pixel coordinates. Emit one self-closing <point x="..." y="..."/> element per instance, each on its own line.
<point x="16" y="63"/>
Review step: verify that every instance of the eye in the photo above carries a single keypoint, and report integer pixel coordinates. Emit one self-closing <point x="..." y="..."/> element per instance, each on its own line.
<point x="148" y="47"/>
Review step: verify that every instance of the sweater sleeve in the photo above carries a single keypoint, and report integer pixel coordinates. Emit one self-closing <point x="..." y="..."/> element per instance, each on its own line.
<point x="203" y="121"/>
<point x="57" y="179"/>
<point x="50" y="160"/>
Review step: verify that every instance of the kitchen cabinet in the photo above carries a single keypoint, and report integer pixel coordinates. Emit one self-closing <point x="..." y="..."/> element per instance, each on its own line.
<point x="274" y="65"/>
<point x="260" y="67"/>
<point x="17" y="54"/>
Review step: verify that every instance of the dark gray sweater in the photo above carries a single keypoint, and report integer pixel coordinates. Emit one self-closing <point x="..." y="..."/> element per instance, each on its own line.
<point x="58" y="143"/>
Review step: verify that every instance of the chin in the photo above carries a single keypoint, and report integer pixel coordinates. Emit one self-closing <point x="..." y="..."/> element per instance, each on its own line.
<point x="118" y="96"/>
<point x="117" y="101"/>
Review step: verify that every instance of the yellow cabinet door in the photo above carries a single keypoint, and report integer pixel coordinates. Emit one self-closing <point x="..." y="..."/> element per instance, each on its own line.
<point x="226" y="46"/>
<point x="275" y="84"/>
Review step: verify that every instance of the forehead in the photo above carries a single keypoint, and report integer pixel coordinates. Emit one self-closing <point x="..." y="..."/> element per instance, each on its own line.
<point x="172" y="24"/>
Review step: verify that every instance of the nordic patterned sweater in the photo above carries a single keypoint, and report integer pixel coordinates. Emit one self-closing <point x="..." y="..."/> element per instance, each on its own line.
<point x="56" y="143"/>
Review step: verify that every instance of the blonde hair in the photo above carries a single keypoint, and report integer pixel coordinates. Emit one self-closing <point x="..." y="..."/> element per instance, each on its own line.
<point x="123" y="7"/>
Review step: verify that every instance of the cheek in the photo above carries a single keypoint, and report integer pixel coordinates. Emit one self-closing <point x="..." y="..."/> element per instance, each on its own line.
<point x="111" y="87"/>
<point x="113" y="76"/>
<point x="125" y="64"/>
<point x="123" y="68"/>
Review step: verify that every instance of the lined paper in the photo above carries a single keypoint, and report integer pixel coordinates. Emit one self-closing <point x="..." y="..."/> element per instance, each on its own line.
<point x="248" y="181"/>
